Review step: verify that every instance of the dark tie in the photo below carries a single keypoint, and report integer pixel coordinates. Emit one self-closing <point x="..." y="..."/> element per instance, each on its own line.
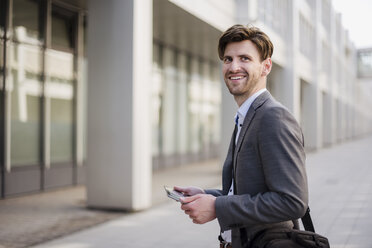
<point x="234" y="136"/>
<point x="235" y="130"/>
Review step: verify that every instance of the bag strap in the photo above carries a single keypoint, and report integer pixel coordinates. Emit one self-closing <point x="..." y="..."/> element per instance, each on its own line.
<point x="307" y="222"/>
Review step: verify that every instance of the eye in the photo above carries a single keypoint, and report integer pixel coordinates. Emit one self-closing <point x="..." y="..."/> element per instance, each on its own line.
<point x="245" y="58"/>
<point x="227" y="60"/>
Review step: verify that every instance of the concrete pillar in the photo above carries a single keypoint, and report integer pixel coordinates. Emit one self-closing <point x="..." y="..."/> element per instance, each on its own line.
<point x="310" y="114"/>
<point x="206" y="89"/>
<point x="333" y="116"/>
<point x="217" y="101"/>
<point x="228" y="111"/>
<point x="195" y="94"/>
<point x="327" y="119"/>
<point x="119" y="82"/>
<point x="182" y="100"/>
<point x="313" y="95"/>
<point x="169" y="108"/>
<point x="339" y="119"/>
<point x="290" y="91"/>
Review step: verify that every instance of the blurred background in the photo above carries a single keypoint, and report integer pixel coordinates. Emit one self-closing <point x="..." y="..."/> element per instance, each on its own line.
<point x="105" y="94"/>
<point x="153" y="77"/>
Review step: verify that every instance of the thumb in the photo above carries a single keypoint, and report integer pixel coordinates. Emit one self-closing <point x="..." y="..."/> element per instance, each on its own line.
<point x="189" y="199"/>
<point x="179" y="189"/>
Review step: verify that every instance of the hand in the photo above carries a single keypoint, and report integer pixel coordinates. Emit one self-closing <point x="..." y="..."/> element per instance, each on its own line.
<point x="189" y="191"/>
<point x="200" y="208"/>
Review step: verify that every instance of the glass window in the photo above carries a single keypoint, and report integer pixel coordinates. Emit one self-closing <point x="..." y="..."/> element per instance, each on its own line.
<point x="60" y="85"/>
<point x="216" y="105"/>
<point x="60" y="94"/>
<point x="84" y="82"/>
<point x="25" y="93"/>
<point x="26" y="21"/>
<point x="63" y="29"/>
<point x="186" y="100"/>
<point x="2" y="18"/>
<point x="365" y="63"/>
<point x="182" y="105"/>
<point x="194" y="95"/>
<point x="1" y="57"/>
<point x="1" y="71"/>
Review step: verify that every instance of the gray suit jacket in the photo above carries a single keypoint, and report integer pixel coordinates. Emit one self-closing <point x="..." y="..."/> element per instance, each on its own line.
<point x="269" y="170"/>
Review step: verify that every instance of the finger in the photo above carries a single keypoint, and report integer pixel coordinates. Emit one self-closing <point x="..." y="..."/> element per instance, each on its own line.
<point x="189" y="198"/>
<point x="185" y="207"/>
<point x="180" y="189"/>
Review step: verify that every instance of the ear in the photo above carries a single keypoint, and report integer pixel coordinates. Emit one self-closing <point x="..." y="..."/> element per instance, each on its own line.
<point x="267" y="64"/>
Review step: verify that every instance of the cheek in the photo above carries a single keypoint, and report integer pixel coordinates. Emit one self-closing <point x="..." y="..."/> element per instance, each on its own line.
<point x="224" y="70"/>
<point x="256" y="70"/>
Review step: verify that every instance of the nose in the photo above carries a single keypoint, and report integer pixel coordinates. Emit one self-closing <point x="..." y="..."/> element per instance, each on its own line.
<point x="235" y="66"/>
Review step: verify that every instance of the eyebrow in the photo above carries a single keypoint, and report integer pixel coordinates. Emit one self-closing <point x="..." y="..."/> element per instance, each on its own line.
<point x="245" y="55"/>
<point x="240" y="56"/>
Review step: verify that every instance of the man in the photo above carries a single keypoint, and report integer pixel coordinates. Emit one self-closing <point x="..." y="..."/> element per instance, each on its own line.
<point x="264" y="183"/>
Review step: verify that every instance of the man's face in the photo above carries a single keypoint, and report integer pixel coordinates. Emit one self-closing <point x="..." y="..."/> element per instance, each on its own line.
<point x="244" y="72"/>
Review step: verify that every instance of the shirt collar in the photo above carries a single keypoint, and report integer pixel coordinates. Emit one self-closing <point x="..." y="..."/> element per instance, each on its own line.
<point x="243" y="109"/>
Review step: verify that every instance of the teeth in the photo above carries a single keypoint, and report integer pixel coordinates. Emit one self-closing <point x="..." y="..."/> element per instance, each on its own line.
<point x="235" y="78"/>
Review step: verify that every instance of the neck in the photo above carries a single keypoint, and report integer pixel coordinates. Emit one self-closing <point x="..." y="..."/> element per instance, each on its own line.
<point x="240" y="99"/>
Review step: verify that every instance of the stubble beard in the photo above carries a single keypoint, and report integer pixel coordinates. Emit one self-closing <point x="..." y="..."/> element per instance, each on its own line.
<point x="238" y="91"/>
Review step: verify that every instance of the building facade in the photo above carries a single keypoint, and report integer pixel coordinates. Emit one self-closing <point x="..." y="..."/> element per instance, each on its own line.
<point x="364" y="93"/>
<point x="42" y="83"/>
<point x="105" y="92"/>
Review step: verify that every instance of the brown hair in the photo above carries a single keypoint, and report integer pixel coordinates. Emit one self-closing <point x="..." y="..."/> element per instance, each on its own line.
<point x="240" y="33"/>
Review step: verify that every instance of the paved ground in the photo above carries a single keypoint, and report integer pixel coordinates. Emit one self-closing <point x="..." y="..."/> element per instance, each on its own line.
<point x="34" y="219"/>
<point x="340" y="198"/>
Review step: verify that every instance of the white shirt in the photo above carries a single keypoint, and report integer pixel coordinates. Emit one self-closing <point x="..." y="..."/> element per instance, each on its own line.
<point x="241" y="113"/>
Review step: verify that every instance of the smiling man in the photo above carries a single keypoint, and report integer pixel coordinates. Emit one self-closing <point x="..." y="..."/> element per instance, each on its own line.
<point x="264" y="183"/>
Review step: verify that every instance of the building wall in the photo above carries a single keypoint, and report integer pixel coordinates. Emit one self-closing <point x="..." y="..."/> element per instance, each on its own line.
<point x="317" y="62"/>
<point x="186" y="107"/>
<point x="363" y="94"/>
<point x="314" y="72"/>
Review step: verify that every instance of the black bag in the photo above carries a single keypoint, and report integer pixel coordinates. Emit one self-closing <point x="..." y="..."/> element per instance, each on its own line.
<point x="291" y="238"/>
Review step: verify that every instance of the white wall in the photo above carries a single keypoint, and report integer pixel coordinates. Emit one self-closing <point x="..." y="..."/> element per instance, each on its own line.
<point x="217" y="13"/>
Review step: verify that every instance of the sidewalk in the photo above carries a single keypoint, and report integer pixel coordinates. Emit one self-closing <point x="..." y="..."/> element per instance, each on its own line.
<point x="340" y="199"/>
<point x="35" y="219"/>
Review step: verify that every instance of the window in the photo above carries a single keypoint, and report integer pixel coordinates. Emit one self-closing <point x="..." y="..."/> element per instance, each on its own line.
<point x="24" y="65"/>
<point x="365" y="63"/>
<point x="186" y="98"/>
<point x="26" y="21"/>
<point x="1" y="61"/>
<point x="60" y="81"/>
<point x="3" y="11"/>
<point x="307" y="38"/>
<point x="325" y="58"/>
<point x="274" y="14"/>
<point x="63" y="29"/>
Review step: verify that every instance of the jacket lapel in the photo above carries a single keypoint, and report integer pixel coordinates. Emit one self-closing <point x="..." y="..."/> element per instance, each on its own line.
<point x="247" y="121"/>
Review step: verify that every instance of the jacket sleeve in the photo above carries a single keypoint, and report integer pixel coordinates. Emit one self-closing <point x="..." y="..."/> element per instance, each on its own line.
<point x="214" y="192"/>
<point x="280" y="152"/>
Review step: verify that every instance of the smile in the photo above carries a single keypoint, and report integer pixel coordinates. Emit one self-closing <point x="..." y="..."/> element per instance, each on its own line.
<point x="236" y="77"/>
